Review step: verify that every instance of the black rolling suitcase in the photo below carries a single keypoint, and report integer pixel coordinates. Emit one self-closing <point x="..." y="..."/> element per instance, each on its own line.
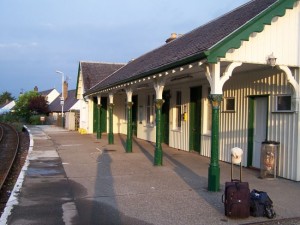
<point x="236" y="198"/>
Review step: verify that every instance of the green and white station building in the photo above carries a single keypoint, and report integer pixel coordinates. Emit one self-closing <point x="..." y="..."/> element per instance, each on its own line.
<point x="233" y="82"/>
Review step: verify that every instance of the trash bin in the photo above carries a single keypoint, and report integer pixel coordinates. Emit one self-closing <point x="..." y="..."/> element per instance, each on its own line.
<point x="268" y="159"/>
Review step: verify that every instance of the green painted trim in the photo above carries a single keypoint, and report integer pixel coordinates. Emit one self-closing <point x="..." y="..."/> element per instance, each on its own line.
<point x="234" y="40"/>
<point x="78" y="73"/>
<point x="170" y="66"/>
<point x="158" y="153"/>
<point x="250" y="131"/>
<point x="214" y="167"/>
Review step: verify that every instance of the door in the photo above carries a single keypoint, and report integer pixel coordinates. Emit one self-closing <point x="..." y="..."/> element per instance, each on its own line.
<point x="165" y="117"/>
<point x="103" y="115"/>
<point x="195" y="118"/>
<point x="134" y="114"/>
<point x="258" y="118"/>
<point x="95" y="115"/>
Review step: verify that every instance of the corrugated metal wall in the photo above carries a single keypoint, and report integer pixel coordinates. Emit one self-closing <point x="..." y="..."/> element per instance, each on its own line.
<point x="282" y="127"/>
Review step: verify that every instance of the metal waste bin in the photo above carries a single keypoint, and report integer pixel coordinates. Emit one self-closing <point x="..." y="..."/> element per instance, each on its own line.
<point x="268" y="159"/>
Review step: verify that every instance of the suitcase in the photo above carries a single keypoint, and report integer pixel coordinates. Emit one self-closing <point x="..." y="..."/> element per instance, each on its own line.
<point x="237" y="197"/>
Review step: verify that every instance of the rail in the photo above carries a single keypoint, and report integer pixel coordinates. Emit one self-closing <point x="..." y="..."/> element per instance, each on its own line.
<point x="9" y="144"/>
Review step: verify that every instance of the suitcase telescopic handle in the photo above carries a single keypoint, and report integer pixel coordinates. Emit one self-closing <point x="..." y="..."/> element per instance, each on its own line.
<point x="240" y="172"/>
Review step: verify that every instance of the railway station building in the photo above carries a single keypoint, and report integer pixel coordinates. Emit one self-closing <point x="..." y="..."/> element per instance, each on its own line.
<point x="233" y="82"/>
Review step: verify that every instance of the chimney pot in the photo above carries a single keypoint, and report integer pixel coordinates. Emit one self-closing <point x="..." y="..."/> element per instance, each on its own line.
<point x="171" y="38"/>
<point x="65" y="90"/>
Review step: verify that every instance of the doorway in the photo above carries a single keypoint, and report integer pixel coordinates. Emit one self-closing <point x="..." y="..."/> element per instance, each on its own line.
<point x="134" y="114"/>
<point x="195" y="118"/>
<point x="165" y="116"/>
<point x="103" y="115"/>
<point x="257" y="128"/>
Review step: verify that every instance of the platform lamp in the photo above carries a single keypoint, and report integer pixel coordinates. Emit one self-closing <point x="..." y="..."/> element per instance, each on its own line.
<point x="271" y="60"/>
<point x="62" y="96"/>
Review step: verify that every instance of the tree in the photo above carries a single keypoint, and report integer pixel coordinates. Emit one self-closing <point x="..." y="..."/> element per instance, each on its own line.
<point x="38" y="105"/>
<point x="6" y="96"/>
<point x="22" y="105"/>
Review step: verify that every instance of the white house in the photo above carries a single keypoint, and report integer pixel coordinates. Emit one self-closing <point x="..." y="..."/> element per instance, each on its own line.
<point x="233" y="82"/>
<point x="50" y="95"/>
<point x="7" y="106"/>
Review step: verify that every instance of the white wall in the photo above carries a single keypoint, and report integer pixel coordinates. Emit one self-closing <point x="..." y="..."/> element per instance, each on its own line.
<point x="7" y="107"/>
<point x="280" y="38"/>
<point x="84" y="114"/>
<point x="52" y="96"/>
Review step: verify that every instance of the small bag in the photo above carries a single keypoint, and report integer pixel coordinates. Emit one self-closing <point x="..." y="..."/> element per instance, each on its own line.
<point x="261" y="204"/>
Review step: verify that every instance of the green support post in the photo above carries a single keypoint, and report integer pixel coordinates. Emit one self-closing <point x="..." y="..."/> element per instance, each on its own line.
<point x="214" y="167"/>
<point x="111" y="133"/>
<point x="129" y="127"/>
<point x="99" y="122"/>
<point x="158" y="154"/>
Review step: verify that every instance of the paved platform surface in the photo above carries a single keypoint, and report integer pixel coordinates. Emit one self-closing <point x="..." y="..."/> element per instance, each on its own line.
<point x="77" y="179"/>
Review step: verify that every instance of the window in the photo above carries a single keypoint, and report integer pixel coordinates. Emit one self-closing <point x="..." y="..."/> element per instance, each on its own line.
<point x="284" y="103"/>
<point x="125" y="112"/>
<point x="229" y="104"/>
<point x="208" y="116"/>
<point x="207" y="113"/>
<point x="150" y="109"/>
<point x="178" y="110"/>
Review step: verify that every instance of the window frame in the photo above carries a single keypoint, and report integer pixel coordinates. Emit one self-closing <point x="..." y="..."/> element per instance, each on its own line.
<point x="178" y="111"/>
<point x="226" y="109"/>
<point x="150" y="109"/>
<point x="290" y="103"/>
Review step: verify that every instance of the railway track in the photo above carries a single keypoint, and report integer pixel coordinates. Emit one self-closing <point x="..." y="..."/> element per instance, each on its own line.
<point x="9" y="144"/>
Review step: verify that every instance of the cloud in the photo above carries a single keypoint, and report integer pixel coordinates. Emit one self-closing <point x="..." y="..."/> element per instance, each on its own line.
<point x="10" y="45"/>
<point x="47" y="25"/>
<point x="16" y="45"/>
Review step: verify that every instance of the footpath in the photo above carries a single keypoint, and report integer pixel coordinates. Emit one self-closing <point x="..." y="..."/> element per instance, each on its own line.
<point x="77" y="179"/>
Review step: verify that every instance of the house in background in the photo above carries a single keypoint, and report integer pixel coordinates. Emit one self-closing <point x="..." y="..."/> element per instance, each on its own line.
<point x="90" y="74"/>
<point x="70" y="110"/>
<point x="49" y="95"/>
<point x="7" y="106"/>
<point x="233" y="82"/>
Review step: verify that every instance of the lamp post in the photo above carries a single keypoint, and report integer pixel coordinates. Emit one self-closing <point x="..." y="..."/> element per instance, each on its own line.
<point x="62" y="96"/>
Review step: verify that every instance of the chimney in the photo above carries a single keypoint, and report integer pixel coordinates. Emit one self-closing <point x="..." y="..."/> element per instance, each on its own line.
<point x="35" y="89"/>
<point x="65" y="90"/>
<point x="173" y="37"/>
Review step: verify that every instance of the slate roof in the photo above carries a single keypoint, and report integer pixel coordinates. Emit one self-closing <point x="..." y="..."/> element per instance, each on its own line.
<point x="69" y="102"/>
<point x="45" y="93"/>
<point x="94" y="72"/>
<point x="187" y="48"/>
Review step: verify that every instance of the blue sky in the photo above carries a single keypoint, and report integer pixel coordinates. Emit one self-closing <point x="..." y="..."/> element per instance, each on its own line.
<point x="39" y="37"/>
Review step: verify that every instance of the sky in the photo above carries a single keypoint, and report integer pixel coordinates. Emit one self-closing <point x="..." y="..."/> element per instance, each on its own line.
<point x="40" y="37"/>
